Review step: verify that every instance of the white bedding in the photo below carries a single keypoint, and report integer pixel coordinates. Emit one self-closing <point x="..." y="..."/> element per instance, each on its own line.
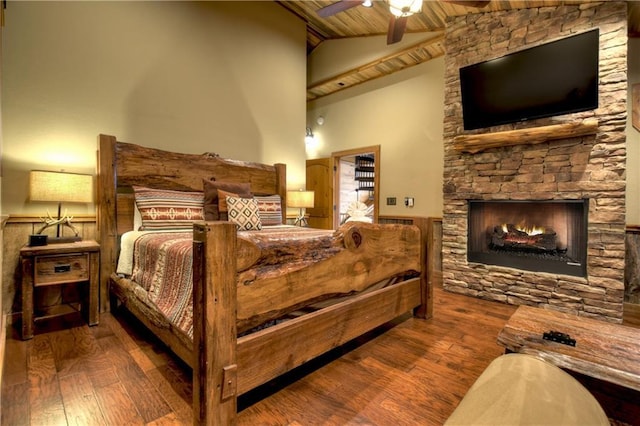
<point x="125" y="259"/>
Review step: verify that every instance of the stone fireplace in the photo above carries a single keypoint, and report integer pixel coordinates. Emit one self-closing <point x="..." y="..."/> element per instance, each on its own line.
<point x="543" y="236"/>
<point x="576" y="178"/>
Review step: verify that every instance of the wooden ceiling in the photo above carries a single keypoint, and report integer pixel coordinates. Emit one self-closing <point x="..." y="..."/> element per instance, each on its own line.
<point x="362" y="21"/>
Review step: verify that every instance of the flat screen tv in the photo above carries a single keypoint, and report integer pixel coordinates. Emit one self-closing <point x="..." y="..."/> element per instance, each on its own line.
<point x="555" y="78"/>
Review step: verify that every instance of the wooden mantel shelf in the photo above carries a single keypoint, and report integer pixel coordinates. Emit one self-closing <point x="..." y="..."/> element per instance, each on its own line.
<point x="479" y="142"/>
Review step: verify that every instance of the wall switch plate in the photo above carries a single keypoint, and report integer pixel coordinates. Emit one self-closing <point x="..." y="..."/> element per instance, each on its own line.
<point x="391" y="201"/>
<point x="408" y="201"/>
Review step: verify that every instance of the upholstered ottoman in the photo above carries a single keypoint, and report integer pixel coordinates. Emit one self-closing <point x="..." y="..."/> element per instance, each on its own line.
<point x="518" y="389"/>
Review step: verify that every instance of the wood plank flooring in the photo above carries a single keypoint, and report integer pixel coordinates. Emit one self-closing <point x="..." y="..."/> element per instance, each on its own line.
<point x="407" y="372"/>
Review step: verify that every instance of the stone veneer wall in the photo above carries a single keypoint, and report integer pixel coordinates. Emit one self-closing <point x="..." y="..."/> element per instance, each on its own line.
<point x="590" y="167"/>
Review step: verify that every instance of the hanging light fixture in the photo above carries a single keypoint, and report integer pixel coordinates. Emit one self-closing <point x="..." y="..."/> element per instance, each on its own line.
<point x="309" y="139"/>
<point x="404" y="8"/>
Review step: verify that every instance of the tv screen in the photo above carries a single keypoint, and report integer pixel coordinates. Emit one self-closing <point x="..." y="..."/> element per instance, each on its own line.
<point x="555" y="78"/>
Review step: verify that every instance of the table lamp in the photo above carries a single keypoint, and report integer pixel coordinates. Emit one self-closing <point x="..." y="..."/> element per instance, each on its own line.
<point x="59" y="187"/>
<point x="300" y="200"/>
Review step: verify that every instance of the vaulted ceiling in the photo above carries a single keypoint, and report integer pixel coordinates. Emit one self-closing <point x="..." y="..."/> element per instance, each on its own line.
<point x="360" y="21"/>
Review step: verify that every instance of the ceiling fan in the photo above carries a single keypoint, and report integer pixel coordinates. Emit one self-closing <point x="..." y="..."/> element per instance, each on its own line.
<point x="400" y="12"/>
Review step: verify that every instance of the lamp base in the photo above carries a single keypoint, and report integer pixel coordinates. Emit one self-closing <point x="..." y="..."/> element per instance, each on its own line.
<point x="61" y="240"/>
<point x="301" y="221"/>
<point x="58" y="223"/>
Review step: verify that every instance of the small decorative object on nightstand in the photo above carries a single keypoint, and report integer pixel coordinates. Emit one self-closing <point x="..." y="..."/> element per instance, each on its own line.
<point x="60" y="264"/>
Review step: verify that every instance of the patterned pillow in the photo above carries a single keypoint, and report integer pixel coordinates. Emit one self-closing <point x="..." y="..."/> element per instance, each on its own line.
<point x="167" y="209"/>
<point x="244" y="213"/>
<point x="270" y="209"/>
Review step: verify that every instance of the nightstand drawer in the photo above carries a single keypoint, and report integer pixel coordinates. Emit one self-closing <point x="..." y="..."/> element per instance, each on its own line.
<point x="61" y="269"/>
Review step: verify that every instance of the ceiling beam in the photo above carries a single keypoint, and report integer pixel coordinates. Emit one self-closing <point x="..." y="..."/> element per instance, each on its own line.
<point x="386" y="65"/>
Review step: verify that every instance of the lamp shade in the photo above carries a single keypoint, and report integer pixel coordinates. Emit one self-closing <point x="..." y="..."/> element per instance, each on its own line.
<point x="300" y="199"/>
<point x="60" y="187"/>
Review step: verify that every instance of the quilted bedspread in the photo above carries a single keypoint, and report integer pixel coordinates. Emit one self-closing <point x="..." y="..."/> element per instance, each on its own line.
<point x="162" y="264"/>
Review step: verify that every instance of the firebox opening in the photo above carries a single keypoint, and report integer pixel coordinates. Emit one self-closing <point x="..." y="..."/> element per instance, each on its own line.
<point x="545" y="236"/>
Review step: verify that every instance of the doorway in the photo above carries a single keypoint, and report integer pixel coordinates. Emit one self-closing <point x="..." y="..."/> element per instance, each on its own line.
<point x="319" y="173"/>
<point x="356" y="185"/>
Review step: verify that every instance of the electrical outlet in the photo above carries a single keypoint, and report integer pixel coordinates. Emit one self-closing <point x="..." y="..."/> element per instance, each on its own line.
<point x="391" y="201"/>
<point x="408" y="201"/>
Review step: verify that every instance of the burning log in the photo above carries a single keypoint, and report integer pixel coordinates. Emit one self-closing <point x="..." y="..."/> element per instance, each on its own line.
<point x="511" y="237"/>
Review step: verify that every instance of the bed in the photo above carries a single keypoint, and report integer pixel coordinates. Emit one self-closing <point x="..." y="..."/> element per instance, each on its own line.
<point x="314" y="299"/>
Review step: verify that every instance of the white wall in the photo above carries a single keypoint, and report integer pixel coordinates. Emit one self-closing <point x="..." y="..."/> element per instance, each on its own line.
<point x="224" y="77"/>
<point x="403" y="113"/>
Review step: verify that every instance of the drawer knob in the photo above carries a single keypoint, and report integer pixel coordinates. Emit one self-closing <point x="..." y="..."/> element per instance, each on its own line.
<point x="61" y="268"/>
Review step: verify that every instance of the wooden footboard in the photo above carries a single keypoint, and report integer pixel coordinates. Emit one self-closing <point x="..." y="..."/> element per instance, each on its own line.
<point x="227" y="366"/>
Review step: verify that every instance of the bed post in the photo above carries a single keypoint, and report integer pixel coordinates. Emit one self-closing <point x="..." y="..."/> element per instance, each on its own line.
<point x="425" y="310"/>
<point x="106" y="214"/>
<point x="214" y="323"/>
<point x="281" y="187"/>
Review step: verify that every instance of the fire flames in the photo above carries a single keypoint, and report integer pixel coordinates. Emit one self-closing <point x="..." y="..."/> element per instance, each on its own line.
<point x="522" y="237"/>
<point x="529" y="230"/>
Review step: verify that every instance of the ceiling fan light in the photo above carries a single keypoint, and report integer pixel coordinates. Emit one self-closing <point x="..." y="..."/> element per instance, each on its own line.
<point x="402" y="8"/>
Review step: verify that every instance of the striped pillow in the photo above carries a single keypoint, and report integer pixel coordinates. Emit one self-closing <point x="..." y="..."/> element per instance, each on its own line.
<point x="167" y="209"/>
<point x="244" y="213"/>
<point x="270" y="209"/>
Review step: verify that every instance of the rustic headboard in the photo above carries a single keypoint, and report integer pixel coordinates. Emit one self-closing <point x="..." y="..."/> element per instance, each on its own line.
<point x="122" y="165"/>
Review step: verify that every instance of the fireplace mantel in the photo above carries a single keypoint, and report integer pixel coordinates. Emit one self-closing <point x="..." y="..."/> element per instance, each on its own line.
<point x="530" y="136"/>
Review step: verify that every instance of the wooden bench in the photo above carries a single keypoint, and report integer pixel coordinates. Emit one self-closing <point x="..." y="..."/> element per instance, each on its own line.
<point x="605" y="351"/>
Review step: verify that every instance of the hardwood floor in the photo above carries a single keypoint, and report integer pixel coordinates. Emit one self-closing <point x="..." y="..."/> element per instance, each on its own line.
<point x="409" y="372"/>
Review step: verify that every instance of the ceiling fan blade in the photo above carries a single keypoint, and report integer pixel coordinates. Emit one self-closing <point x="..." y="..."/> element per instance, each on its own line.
<point x="397" y="26"/>
<point x="338" y="7"/>
<point x="468" y="3"/>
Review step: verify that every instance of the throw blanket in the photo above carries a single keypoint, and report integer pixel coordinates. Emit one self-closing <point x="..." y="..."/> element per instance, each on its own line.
<point x="162" y="265"/>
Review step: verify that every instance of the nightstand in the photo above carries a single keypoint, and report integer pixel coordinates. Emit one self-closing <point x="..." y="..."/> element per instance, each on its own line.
<point x="60" y="264"/>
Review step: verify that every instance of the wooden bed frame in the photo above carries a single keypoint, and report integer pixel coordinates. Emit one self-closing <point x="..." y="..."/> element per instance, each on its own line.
<point x="224" y="365"/>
